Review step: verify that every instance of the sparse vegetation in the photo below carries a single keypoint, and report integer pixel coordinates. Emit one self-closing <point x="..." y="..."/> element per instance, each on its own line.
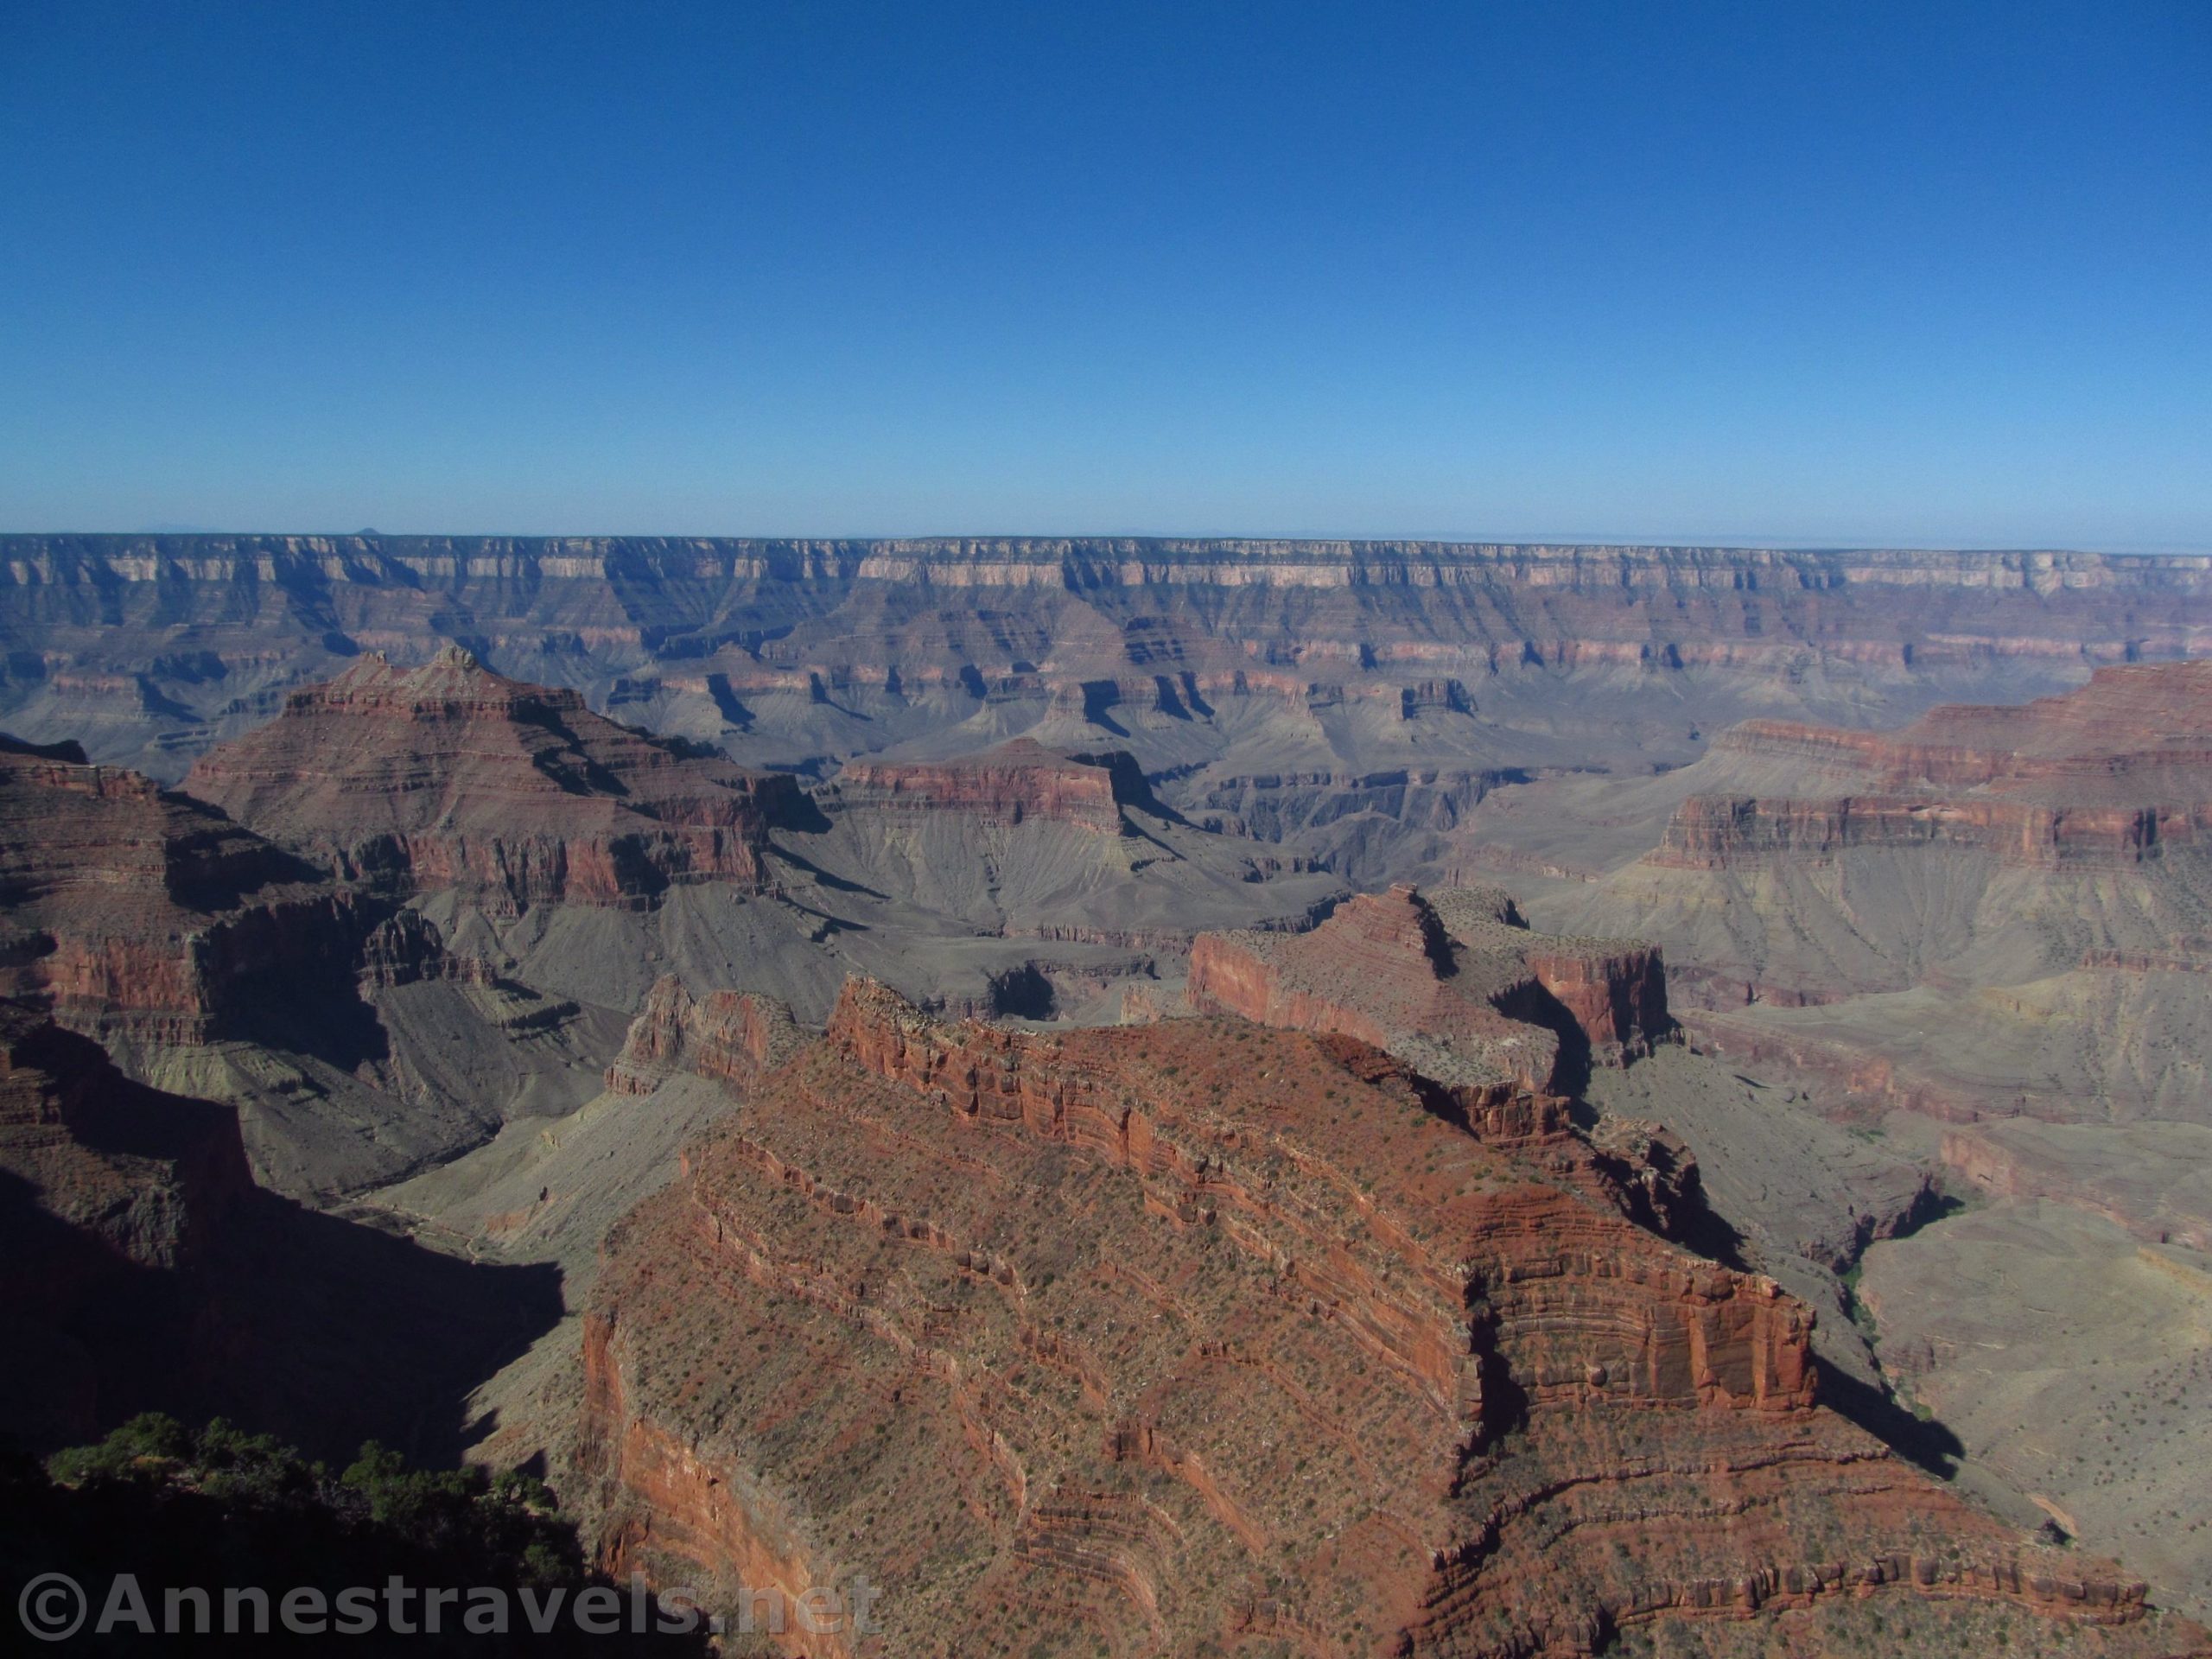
<point x="222" y="1507"/>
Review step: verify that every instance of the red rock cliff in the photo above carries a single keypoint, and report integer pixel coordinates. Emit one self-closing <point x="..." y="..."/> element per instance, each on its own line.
<point x="450" y="776"/>
<point x="124" y="906"/>
<point x="1015" y="783"/>
<point x="726" y="1036"/>
<point x="1182" y="1335"/>
<point x="1451" y="982"/>
<point x="2115" y="772"/>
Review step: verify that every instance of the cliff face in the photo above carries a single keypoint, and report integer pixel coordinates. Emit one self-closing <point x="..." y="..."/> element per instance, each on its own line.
<point x="1715" y="833"/>
<point x="449" y="776"/>
<point x="112" y="1199"/>
<point x="60" y="569"/>
<point x="126" y="908"/>
<point x="1318" y="1365"/>
<point x="1017" y="782"/>
<point x="1454" y="982"/>
<point x="825" y="646"/>
<point x="730" y="1038"/>
<point x="2115" y="772"/>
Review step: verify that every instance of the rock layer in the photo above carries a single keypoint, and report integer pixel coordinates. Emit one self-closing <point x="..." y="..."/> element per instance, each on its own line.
<point x="1206" y="1332"/>
<point x="1454" y="982"/>
<point x="2117" y="771"/>
<point x="126" y="908"/>
<point x="724" y="1036"/>
<point x="449" y="776"/>
<point x="1011" y="783"/>
<point x="830" y="649"/>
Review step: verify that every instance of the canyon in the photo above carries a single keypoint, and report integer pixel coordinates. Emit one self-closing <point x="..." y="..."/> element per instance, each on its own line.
<point x="149" y="1270"/>
<point x="214" y="963"/>
<point x="1974" y="943"/>
<point x="1406" y="672"/>
<point x="1315" y="1098"/>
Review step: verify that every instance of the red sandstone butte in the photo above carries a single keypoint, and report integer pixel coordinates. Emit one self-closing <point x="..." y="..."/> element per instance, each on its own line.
<point x="2113" y="771"/>
<point x="449" y="776"/>
<point x="1018" y="782"/>
<point x="125" y="908"/>
<point x="1452" y="982"/>
<point x="1192" y="1336"/>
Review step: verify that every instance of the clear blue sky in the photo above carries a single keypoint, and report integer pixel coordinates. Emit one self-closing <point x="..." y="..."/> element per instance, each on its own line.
<point x="1832" y="272"/>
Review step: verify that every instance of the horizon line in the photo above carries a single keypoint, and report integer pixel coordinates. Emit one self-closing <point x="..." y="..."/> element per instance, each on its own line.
<point x="1722" y="544"/>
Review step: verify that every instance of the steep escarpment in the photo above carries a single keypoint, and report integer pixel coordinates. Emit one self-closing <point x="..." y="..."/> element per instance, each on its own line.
<point x="113" y="1198"/>
<point x="1015" y="782"/>
<point x="127" y="908"/>
<point x="1727" y="603"/>
<point x="1719" y="832"/>
<point x="1208" y="1332"/>
<point x="449" y="776"/>
<point x="2119" y="771"/>
<point x="211" y="963"/>
<point x="1354" y="699"/>
<point x="1454" y="981"/>
<point x="725" y="1036"/>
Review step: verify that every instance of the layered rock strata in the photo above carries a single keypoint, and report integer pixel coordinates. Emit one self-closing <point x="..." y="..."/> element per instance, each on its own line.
<point x="826" y="650"/>
<point x="128" y="909"/>
<point x="1018" y="782"/>
<point x="2116" y="771"/>
<point x="726" y="1036"/>
<point x="449" y="776"/>
<point x="1209" y="1332"/>
<point x="1453" y="982"/>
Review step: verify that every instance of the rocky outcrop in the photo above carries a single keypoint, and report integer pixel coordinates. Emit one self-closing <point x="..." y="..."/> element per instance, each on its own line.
<point x="1454" y="982"/>
<point x="127" y="909"/>
<point x="407" y="949"/>
<point x="113" y="1197"/>
<point x="730" y="1037"/>
<point x="449" y="776"/>
<point x="1722" y="832"/>
<point x="1015" y="783"/>
<point x="1179" y="1335"/>
<point x="2117" y="771"/>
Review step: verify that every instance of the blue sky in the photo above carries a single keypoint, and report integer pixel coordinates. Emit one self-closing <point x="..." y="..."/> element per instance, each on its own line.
<point x="1834" y="273"/>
